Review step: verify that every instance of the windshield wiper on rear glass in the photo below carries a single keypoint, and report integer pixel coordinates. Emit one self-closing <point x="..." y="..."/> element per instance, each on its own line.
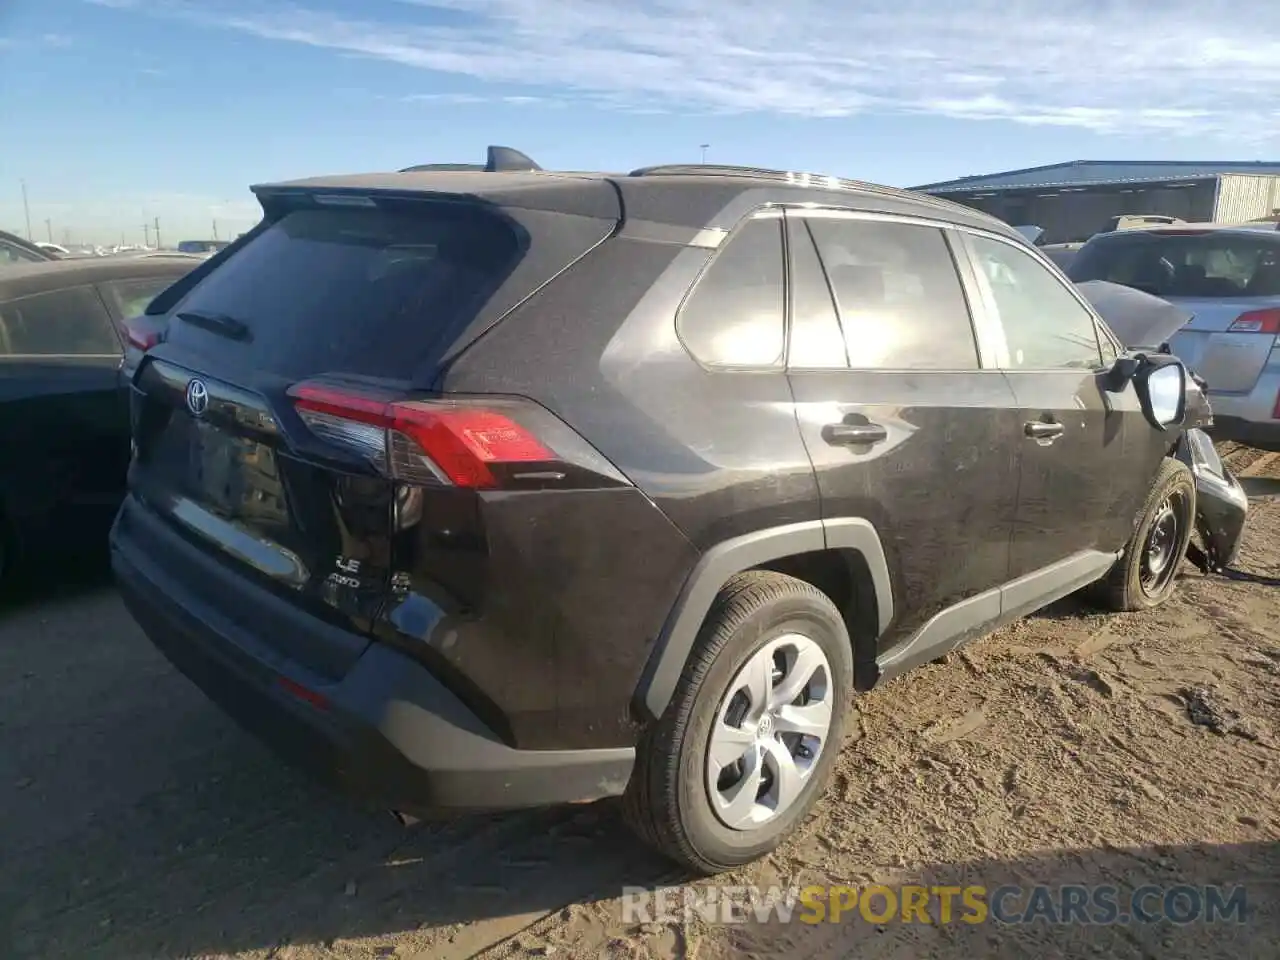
<point x="218" y="323"/>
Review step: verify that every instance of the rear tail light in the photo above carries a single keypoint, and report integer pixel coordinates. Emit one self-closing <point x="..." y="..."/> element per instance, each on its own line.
<point x="306" y="695"/>
<point x="143" y="332"/>
<point x="1257" y="321"/>
<point x="471" y="442"/>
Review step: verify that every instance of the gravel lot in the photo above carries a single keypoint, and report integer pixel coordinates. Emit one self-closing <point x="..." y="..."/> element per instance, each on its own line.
<point x="1071" y="747"/>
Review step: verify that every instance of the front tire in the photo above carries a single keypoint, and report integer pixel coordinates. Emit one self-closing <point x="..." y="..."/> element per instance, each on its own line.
<point x="742" y="752"/>
<point x="1147" y="571"/>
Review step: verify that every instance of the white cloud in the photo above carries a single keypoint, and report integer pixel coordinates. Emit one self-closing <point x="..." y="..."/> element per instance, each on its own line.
<point x="43" y="40"/>
<point x="514" y="100"/>
<point x="1189" y="67"/>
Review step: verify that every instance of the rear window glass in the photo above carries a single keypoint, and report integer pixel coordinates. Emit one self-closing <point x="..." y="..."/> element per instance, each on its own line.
<point x="1208" y="265"/>
<point x="353" y="290"/>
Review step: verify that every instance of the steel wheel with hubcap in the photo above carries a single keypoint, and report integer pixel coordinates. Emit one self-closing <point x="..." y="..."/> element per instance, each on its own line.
<point x="769" y="732"/>
<point x="740" y="756"/>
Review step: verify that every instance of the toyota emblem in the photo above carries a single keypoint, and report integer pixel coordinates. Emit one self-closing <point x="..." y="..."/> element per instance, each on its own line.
<point x="197" y="398"/>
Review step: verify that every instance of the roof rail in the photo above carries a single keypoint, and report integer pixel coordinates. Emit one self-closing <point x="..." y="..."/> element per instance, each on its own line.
<point x="438" y="167"/>
<point x="789" y="176"/>
<point x="497" y="160"/>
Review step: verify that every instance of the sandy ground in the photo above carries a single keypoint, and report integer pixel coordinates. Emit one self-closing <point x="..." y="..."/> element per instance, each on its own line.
<point x="1070" y="748"/>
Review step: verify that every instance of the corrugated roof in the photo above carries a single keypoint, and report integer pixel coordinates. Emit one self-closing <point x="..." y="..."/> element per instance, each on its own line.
<point x="1082" y="172"/>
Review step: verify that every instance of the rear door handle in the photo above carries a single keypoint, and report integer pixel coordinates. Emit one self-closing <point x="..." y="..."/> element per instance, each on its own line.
<point x="1043" y="429"/>
<point x="852" y="434"/>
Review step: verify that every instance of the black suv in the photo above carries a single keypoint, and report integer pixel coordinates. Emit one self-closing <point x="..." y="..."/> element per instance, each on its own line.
<point x="492" y="489"/>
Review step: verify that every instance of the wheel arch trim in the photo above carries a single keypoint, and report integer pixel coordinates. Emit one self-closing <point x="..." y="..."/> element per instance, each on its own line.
<point x="675" y="641"/>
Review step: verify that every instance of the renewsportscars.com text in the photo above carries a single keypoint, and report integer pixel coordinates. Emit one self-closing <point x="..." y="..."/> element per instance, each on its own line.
<point x="917" y="903"/>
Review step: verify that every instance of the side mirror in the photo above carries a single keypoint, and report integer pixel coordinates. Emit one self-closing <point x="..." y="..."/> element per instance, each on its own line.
<point x="1161" y="383"/>
<point x="1122" y="371"/>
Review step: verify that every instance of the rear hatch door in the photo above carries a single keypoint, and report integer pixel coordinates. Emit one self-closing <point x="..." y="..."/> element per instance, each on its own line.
<point x="373" y="294"/>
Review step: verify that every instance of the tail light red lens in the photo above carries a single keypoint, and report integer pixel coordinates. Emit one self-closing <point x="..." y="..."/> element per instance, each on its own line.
<point x="1257" y="321"/>
<point x="463" y="442"/>
<point x="143" y="333"/>
<point x="297" y="690"/>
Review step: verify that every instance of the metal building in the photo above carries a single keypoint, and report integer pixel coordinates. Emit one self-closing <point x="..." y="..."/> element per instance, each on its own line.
<point x="1072" y="201"/>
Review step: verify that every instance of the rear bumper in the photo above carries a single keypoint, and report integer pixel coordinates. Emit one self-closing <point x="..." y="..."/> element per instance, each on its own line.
<point x="1247" y="417"/>
<point x="387" y="732"/>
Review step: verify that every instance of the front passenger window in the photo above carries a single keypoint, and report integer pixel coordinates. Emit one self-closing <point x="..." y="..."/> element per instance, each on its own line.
<point x="1045" y="327"/>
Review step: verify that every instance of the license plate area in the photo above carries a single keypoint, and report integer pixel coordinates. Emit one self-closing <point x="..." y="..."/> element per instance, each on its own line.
<point x="234" y="476"/>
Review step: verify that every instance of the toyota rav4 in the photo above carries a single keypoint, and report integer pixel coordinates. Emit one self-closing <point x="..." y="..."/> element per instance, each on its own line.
<point x="477" y="490"/>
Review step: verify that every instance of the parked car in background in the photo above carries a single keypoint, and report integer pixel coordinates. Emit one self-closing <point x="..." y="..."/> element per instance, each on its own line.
<point x="1228" y="279"/>
<point x="13" y="249"/>
<point x="1062" y="254"/>
<point x="57" y="250"/>
<point x="1138" y="221"/>
<point x="64" y="425"/>
<point x="205" y="248"/>
<point x="392" y="531"/>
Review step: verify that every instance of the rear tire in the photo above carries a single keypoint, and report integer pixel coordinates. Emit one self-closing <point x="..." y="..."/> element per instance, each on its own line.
<point x="1147" y="571"/>
<point x="765" y="636"/>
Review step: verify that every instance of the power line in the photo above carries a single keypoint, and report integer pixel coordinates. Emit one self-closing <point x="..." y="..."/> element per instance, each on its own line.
<point x="26" y="208"/>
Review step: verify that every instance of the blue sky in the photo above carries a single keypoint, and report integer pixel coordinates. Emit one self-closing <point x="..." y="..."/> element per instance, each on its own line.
<point x="120" y="110"/>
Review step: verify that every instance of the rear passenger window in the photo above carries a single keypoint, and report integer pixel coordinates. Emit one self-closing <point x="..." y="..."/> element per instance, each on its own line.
<point x="816" y="342"/>
<point x="898" y="294"/>
<point x="70" y="322"/>
<point x="734" y="316"/>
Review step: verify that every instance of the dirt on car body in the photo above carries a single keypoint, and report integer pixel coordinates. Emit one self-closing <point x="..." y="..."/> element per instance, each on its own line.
<point x="1070" y="748"/>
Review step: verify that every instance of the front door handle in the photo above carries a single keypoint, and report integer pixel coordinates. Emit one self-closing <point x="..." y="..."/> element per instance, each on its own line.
<point x="1043" y="429"/>
<point x="852" y="434"/>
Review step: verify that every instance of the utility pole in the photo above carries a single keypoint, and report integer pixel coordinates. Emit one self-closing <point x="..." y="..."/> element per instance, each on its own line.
<point x="146" y="234"/>
<point x="48" y="228"/>
<point x="26" y="208"/>
<point x="704" y="147"/>
<point x="158" y="246"/>
<point x="215" y="228"/>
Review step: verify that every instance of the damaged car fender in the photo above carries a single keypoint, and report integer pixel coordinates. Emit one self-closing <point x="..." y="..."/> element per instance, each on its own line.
<point x="1221" y="503"/>
<point x="1145" y="324"/>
